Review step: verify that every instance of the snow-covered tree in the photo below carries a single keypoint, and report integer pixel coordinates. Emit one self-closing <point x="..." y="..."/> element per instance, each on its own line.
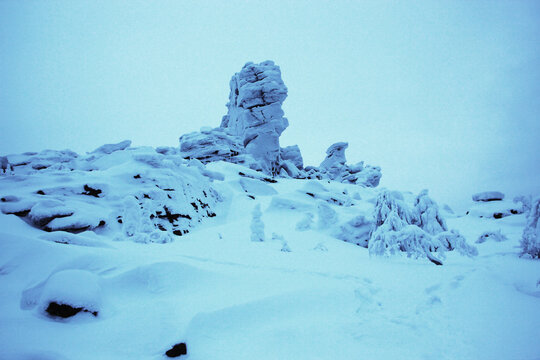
<point x="526" y="203"/>
<point x="453" y="240"/>
<point x="257" y="225"/>
<point x="429" y="217"/>
<point x="389" y="201"/>
<point x="530" y="242"/>
<point x="420" y="232"/>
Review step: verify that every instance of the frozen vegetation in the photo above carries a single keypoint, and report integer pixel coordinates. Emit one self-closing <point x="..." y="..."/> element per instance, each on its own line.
<point x="143" y="253"/>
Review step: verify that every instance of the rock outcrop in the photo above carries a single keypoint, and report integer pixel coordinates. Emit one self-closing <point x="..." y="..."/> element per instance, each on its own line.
<point x="255" y="114"/>
<point x="334" y="167"/>
<point x="249" y="134"/>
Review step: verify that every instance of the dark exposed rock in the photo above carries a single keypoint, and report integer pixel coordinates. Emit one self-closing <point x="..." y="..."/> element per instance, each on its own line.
<point x="91" y="191"/>
<point x="177" y="350"/>
<point x="65" y="310"/>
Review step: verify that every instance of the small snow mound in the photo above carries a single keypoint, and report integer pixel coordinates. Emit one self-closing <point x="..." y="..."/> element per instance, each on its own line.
<point x="75" y="289"/>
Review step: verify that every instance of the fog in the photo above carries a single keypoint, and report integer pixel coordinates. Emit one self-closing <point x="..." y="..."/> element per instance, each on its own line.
<point x="441" y="95"/>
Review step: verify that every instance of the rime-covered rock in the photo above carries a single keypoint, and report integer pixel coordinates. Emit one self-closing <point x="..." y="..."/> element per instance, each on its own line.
<point x="292" y="153"/>
<point x="335" y="160"/>
<point x="255" y="114"/>
<point x="334" y="167"/>
<point x="110" y="148"/>
<point x="143" y="195"/>
<point x="211" y="145"/>
<point x="488" y="196"/>
<point x="30" y="162"/>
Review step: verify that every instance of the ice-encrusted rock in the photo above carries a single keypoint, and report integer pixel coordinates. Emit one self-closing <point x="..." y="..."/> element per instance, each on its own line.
<point x="210" y="145"/>
<point x="30" y="162"/>
<point x="293" y="154"/>
<point x="335" y="159"/>
<point x="488" y="196"/>
<point x="255" y="114"/>
<point x="334" y="167"/>
<point x="79" y="193"/>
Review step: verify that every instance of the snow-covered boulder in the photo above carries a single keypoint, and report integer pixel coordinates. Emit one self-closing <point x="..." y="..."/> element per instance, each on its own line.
<point x="110" y="148"/>
<point x="495" y="209"/>
<point x="488" y="196"/>
<point x="211" y="145"/>
<point x="31" y="162"/>
<point x="292" y="153"/>
<point x="335" y="160"/>
<point x="334" y="167"/>
<point x="255" y="114"/>
<point x="69" y="292"/>
<point x="165" y="194"/>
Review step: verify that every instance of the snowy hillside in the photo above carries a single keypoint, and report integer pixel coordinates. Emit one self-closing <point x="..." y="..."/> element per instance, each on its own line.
<point x="229" y="247"/>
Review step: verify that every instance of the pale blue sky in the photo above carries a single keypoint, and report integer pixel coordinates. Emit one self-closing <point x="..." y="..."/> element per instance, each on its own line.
<point x="443" y="95"/>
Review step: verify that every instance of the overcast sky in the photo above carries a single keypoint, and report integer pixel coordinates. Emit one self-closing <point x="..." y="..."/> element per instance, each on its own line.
<point x="441" y="95"/>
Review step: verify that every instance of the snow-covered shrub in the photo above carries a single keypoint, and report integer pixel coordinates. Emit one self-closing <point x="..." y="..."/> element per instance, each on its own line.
<point x="453" y="240"/>
<point x="497" y="236"/>
<point x="306" y="223"/>
<point x="419" y="232"/>
<point x="530" y="242"/>
<point x="526" y="203"/>
<point x="428" y="215"/>
<point x="257" y="225"/>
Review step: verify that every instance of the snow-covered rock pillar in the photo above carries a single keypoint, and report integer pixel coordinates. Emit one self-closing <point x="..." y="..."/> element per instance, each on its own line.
<point x="255" y="114"/>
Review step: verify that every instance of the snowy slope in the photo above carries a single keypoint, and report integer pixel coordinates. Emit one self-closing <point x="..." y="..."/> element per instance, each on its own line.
<point x="228" y="297"/>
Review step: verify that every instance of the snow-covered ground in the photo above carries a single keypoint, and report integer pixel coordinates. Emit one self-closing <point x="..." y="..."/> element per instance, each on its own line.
<point x="228" y="297"/>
